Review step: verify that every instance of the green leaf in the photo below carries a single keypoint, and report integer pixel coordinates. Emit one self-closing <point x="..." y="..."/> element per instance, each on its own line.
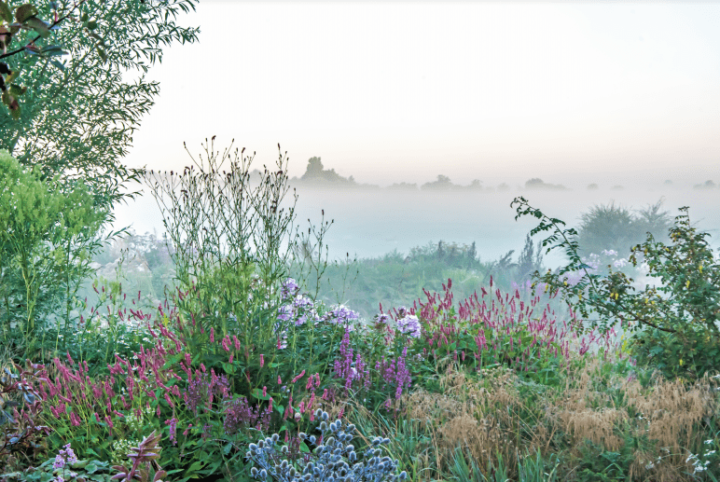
<point x="17" y="90"/>
<point x="5" y="12"/>
<point x="57" y="64"/>
<point x="52" y="51"/>
<point x="196" y="466"/>
<point x="12" y="104"/>
<point x="91" y="468"/>
<point x="24" y="12"/>
<point x="102" y="54"/>
<point x="39" y="26"/>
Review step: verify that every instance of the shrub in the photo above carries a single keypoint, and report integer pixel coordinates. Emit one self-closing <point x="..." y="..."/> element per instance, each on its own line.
<point x="47" y="234"/>
<point x="675" y="321"/>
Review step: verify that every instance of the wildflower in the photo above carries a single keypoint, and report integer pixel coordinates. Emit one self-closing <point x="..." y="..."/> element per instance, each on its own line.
<point x="173" y="429"/>
<point x="289" y="287"/>
<point x="285" y="312"/>
<point x="410" y="325"/>
<point x="341" y="314"/>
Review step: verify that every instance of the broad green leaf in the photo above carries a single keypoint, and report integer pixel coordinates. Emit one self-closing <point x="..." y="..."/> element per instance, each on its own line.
<point x="17" y="90"/>
<point x="5" y="12"/>
<point x="39" y="26"/>
<point x="24" y="12"/>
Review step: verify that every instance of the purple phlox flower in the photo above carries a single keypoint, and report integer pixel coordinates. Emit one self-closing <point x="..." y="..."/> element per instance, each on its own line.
<point x="341" y="314"/>
<point x="303" y="302"/>
<point x="289" y="288"/>
<point x="383" y="318"/>
<point x="59" y="462"/>
<point x="410" y="325"/>
<point x="285" y="313"/>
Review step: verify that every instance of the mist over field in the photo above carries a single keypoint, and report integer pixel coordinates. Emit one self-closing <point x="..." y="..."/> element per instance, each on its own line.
<point x="369" y="223"/>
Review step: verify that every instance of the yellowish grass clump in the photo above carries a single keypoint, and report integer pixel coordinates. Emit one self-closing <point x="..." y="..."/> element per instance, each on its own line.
<point x="487" y="417"/>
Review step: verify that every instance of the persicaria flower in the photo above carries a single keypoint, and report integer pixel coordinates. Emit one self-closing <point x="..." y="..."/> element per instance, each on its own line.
<point x="302" y="374"/>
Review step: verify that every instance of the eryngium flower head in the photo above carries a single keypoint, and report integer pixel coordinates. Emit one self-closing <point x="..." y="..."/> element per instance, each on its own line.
<point x="335" y="460"/>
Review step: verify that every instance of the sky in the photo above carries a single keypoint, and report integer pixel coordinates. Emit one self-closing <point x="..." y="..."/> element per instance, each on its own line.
<point x="571" y="92"/>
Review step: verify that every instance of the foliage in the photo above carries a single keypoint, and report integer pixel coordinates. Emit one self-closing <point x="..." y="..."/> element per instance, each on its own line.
<point x="677" y="319"/>
<point x="395" y="279"/>
<point x="70" y="470"/>
<point x="80" y="111"/>
<point x="29" y="27"/>
<point x="228" y="238"/>
<point x="20" y="403"/>
<point x="47" y="234"/>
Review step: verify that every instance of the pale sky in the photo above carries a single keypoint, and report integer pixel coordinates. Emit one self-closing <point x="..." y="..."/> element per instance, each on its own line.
<point x="572" y="92"/>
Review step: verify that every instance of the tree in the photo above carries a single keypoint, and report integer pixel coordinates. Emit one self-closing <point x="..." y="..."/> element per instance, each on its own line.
<point x="79" y="113"/>
<point x="314" y="168"/>
<point x="615" y="227"/>
<point x="674" y="321"/>
<point x="27" y="29"/>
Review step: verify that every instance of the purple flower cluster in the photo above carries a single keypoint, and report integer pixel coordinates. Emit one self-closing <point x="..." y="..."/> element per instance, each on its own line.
<point x="349" y="369"/>
<point x="65" y="456"/>
<point x="289" y="288"/>
<point x="341" y="314"/>
<point x="239" y="414"/>
<point x="298" y="308"/>
<point x="172" y="424"/>
<point x="410" y="325"/>
<point x="383" y="318"/>
<point x="202" y="391"/>
<point x="395" y="373"/>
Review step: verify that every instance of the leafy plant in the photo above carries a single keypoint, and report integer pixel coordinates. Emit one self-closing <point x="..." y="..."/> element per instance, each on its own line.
<point x="80" y="111"/>
<point x="47" y="234"/>
<point x="229" y="240"/>
<point x="26" y="33"/>
<point x="20" y="403"/>
<point x="676" y="320"/>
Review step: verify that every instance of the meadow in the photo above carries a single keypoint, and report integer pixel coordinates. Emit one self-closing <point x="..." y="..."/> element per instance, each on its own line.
<point x="246" y="354"/>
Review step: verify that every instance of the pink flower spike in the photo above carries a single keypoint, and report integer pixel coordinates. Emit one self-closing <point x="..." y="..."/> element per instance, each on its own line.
<point x="279" y="380"/>
<point x="264" y="391"/>
<point x="212" y="335"/>
<point x="302" y="374"/>
<point x="262" y="360"/>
